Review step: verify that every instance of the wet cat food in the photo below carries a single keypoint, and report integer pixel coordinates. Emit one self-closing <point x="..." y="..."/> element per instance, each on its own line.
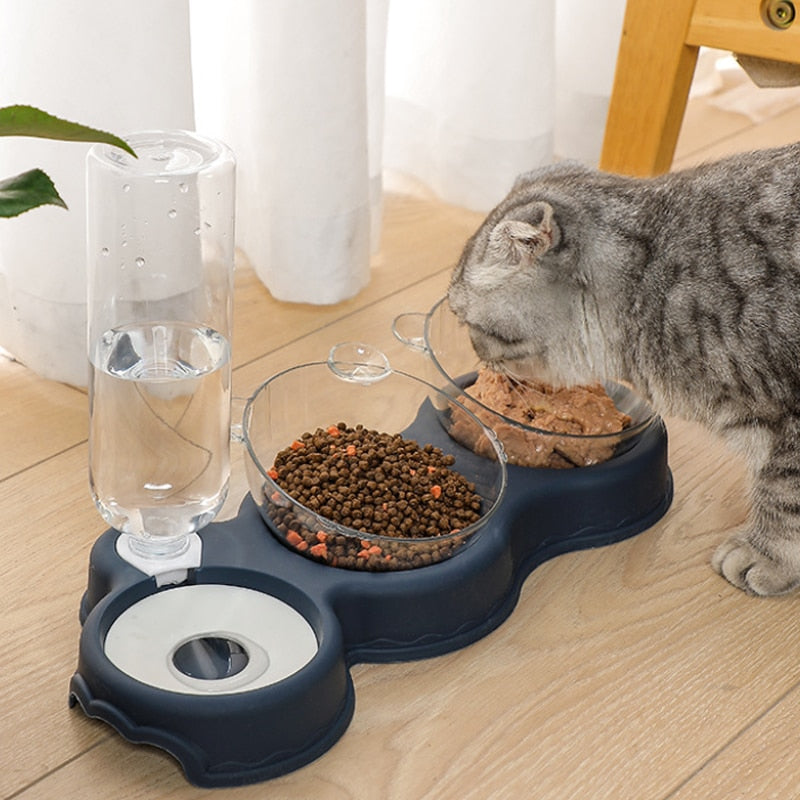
<point x="378" y="484"/>
<point x="585" y="413"/>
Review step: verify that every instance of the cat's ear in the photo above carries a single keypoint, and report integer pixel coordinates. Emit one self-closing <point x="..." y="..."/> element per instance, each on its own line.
<point x="517" y="241"/>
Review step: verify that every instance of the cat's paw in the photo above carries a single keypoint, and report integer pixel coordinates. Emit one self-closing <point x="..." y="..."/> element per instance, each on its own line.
<point x="751" y="570"/>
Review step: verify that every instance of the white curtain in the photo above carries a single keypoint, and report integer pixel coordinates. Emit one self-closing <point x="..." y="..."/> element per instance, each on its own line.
<point x="110" y="64"/>
<point x="317" y="98"/>
<point x="470" y="90"/>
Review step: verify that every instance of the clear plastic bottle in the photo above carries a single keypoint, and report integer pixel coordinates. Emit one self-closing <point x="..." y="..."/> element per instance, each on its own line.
<point x="160" y="245"/>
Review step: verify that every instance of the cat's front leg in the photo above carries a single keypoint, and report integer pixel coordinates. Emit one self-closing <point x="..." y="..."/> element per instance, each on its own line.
<point x="763" y="557"/>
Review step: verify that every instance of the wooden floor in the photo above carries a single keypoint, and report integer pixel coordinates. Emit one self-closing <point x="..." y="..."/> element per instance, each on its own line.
<point x="630" y="672"/>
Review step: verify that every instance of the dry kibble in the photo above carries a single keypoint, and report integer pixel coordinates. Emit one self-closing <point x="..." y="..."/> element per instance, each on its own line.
<point x="373" y="482"/>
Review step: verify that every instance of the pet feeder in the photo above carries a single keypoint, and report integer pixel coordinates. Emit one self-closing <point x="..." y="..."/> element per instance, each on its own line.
<point x="241" y="671"/>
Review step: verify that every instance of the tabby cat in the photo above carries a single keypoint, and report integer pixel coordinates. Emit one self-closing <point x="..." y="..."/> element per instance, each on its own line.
<point x="685" y="285"/>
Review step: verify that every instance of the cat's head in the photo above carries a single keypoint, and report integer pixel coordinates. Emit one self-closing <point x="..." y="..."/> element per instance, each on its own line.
<point x="519" y="282"/>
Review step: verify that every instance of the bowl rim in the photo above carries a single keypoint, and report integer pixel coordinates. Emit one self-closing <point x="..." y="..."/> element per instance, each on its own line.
<point x="329" y="525"/>
<point x="624" y="434"/>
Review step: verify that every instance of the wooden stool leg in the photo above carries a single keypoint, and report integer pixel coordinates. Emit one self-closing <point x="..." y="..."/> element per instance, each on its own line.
<point x="651" y="86"/>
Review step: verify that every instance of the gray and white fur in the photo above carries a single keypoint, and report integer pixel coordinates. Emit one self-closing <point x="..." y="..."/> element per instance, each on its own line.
<point x="685" y="285"/>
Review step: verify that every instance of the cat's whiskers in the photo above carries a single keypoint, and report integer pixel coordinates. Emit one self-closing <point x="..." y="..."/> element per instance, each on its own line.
<point x="519" y="385"/>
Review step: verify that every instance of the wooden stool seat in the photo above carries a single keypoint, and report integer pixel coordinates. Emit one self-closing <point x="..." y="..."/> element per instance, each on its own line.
<point x="657" y="56"/>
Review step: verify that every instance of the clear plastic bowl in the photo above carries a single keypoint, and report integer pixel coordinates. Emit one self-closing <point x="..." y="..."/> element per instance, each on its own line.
<point x="356" y="386"/>
<point x="451" y="362"/>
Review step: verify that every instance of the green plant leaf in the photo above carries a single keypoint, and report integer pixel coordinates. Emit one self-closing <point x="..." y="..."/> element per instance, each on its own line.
<point x="26" y="191"/>
<point x="30" y="121"/>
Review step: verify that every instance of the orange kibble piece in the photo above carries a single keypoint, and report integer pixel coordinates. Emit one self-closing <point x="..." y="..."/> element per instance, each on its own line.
<point x="436" y="491"/>
<point x="374" y="550"/>
<point x="273" y="473"/>
<point x="366" y="544"/>
<point x="320" y="550"/>
<point x="351" y="450"/>
<point x="294" y="538"/>
<point x="296" y="445"/>
<point x="303" y="546"/>
<point x="333" y="431"/>
<point x="431" y="469"/>
<point x="322" y="536"/>
<point x="362" y="554"/>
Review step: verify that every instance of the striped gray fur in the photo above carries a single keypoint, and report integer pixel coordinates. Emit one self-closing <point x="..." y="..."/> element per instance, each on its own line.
<point x="686" y="286"/>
